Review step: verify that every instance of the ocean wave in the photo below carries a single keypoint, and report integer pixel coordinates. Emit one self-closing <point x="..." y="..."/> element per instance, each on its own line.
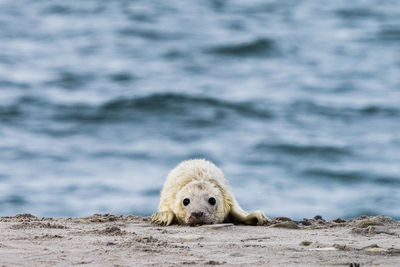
<point x="149" y="34"/>
<point x="21" y="108"/>
<point x="204" y="109"/>
<point x="259" y="47"/>
<point x="336" y="175"/>
<point x="8" y="113"/>
<point x="355" y="176"/>
<point x="14" y="200"/>
<point x="71" y="80"/>
<point x="305" y="150"/>
<point x="66" y="8"/>
<point x="389" y="34"/>
<point x="387" y="180"/>
<point x="342" y="112"/>
<point x="122" y="77"/>
<point x="376" y="110"/>
<point x="357" y="13"/>
<point x="57" y="9"/>
<point x="167" y="104"/>
<point x="121" y="154"/>
<point x="12" y="84"/>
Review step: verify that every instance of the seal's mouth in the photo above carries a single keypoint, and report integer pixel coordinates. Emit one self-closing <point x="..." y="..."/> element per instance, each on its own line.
<point x="196" y="223"/>
<point x="193" y="220"/>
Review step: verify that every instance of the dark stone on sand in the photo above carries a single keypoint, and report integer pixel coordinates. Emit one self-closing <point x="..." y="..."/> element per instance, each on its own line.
<point x="24" y="216"/>
<point x="304" y="222"/>
<point x="305" y="243"/>
<point x="283" y="219"/>
<point x="339" y="220"/>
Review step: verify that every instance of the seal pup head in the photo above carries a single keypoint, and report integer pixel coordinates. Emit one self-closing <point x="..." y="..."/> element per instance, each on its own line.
<point x="199" y="202"/>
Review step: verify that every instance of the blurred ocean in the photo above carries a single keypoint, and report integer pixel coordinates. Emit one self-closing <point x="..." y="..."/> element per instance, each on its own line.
<point x="297" y="101"/>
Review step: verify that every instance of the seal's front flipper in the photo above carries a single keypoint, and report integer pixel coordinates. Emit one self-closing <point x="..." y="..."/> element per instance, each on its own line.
<point x="255" y="218"/>
<point x="163" y="218"/>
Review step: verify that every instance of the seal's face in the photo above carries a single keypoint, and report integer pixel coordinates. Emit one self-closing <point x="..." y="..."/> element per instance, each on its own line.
<point x="199" y="202"/>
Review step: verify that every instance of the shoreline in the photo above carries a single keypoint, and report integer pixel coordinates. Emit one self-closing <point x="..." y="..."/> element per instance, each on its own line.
<point x="110" y="240"/>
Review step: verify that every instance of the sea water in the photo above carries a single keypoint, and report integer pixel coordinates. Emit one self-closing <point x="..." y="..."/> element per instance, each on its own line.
<point x="298" y="102"/>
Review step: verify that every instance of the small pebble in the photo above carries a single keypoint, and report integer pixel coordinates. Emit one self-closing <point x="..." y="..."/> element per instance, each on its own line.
<point x="371" y="246"/>
<point x="305" y="243"/>
<point x="340" y="247"/>
<point x="376" y="250"/>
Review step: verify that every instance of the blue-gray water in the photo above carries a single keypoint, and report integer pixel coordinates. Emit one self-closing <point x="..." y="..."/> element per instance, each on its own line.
<point x="297" y="101"/>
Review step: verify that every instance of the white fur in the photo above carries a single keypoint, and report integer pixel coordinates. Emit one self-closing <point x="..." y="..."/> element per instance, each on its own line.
<point x="198" y="180"/>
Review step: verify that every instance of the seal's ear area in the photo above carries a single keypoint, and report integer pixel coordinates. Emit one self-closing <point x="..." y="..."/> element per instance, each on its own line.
<point x="227" y="198"/>
<point x="163" y="218"/>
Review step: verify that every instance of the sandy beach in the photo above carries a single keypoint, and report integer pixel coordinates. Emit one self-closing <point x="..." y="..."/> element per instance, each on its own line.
<point x="109" y="240"/>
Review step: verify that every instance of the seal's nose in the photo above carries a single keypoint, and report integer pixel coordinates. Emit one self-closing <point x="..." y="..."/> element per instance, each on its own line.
<point x="198" y="214"/>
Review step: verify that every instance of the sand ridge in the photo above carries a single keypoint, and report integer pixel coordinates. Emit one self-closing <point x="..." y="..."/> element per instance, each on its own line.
<point x="110" y="240"/>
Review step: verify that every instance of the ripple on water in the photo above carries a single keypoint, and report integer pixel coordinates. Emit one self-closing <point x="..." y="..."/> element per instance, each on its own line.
<point x="161" y="104"/>
<point x="337" y="175"/>
<point x="390" y="34"/>
<point x="283" y="93"/>
<point x="388" y="181"/>
<point x="72" y="80"/>
<point x="258" y="47"/>
<point x="314" y="150"/>
<point x="14" y="200"/>
<point x="357" y="13"/>
<point x="122" y="77"/>
<point x="150" y="34"/>
<point x="342" y="112"/>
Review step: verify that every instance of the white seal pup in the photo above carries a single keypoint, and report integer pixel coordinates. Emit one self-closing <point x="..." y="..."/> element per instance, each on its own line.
<point x="196" y="192"/>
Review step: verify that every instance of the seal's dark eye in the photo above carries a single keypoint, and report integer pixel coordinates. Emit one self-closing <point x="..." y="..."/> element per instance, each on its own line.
<point x="186" y="201"/>
<point x="212" y="201"/>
